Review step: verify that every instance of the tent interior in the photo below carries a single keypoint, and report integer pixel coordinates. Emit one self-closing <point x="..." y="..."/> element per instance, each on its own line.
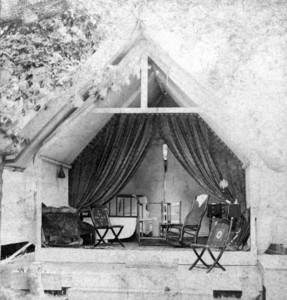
<point x="124" y="155"/>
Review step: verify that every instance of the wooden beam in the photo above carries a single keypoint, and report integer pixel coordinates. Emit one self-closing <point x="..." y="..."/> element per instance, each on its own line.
<point x="246" y="164"/>
<point x="14" y="169"/>
<point x="1" y="195"/>
<point x="13" y="256"/>
<point x="38" y="200"/>
<point x="148" y="110"/>
<point x="178" y="97"/>
<point x="179" y="76"/>
<point x="144" y="81"/>
<point x="137" y="93"/>
<point x="55" y="162"/>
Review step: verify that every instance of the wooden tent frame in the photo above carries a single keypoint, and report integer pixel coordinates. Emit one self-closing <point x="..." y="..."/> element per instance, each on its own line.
<point x="186" y="85"/>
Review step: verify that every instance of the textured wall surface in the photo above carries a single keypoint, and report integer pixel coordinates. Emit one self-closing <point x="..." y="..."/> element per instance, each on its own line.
<point x="18" y="207"/>
<point x="19" y="200"/>
<point x="55" y="189"/>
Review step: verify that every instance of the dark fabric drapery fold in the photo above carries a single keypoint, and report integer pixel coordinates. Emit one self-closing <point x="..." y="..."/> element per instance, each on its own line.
<point x="202" y="154"/>
<point x="110" y="160"/>
<point x="229" y="165"/>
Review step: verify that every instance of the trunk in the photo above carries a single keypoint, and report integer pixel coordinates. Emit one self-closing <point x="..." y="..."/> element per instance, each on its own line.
<point x="1" y="194"/>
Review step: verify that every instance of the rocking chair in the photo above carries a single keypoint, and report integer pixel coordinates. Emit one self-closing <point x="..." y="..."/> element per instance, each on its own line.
<point x="101" y="222"/>
<point x="180" y="235"/>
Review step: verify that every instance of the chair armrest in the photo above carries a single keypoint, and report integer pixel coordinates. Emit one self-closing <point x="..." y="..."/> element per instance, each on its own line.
<point x="147" y="219"/>
<point x="190" y="227"/>
<point x="175" y="226"/>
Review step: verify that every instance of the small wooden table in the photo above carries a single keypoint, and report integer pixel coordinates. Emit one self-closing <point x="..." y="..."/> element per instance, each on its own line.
<point x="223" y="210"/>
<point x="215" y="210"/>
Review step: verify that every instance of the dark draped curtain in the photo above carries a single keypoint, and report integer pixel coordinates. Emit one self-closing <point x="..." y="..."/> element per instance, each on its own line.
<point x="202" y="154"/>
<point x="110" y="160"/>
<point x="229" y="165"/>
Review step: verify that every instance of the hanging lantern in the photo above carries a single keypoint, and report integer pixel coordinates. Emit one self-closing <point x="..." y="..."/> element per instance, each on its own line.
<point x="61" y="173"/>
<point x="223" y="184"/>
<point x="165" y="152"/>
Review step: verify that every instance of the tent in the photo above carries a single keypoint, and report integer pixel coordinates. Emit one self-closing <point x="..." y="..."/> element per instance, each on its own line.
<point x="60" y="134"/>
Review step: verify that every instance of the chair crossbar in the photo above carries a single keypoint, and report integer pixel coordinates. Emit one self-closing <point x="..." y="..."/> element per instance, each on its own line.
<point x="101" y="236"/>
<point x="116" y="235"/>
<point x="207" y="266"/>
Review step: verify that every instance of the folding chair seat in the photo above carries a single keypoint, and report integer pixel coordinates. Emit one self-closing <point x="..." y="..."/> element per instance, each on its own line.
<point x="101" y="222"/>
<point x="217" y="240"/>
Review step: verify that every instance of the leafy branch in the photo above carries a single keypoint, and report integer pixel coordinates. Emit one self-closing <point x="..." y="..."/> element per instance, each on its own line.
<point x="38" y="59"/>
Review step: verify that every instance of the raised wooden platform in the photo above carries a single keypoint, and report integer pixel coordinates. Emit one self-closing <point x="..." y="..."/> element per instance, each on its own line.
<point x="139" y="273"/>
<point x="133" y="254"/>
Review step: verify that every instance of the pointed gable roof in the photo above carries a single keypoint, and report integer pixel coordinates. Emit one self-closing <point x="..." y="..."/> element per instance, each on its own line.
<point x="64" y="129"/>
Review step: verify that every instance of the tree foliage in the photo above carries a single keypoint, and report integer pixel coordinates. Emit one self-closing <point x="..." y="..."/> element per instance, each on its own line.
<point x="39" y="58"/>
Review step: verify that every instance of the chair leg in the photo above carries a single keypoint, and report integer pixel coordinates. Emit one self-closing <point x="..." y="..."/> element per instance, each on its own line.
<point x="101" y="237"/>
<point x="198" y="258"/>
<point x="216" y="263"/>
<point x="117" y="235"/>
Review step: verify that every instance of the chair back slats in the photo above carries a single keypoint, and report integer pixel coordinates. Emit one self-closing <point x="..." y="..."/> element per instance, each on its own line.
<point x="171" y="212"/>
<point x="197" y="210"/>
<point x="100" y="216"/>
<point x="219" y="234"/>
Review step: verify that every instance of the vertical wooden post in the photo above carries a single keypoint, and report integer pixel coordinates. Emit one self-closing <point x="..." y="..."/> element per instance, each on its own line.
<point x="144" y="81"/>
<point x="1" y="195"/>
<point x="38" y="171"/>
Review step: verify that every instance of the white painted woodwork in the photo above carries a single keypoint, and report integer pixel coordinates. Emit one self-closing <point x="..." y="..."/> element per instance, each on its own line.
<point x="137" y="94"/>
<point x="55" y="162"/>
<point x="151" y="110"/>
<point x="246" y="164"/>
<point x="175" y="93"/>
<point x="144" y="255"/>
<point x="175" y="72"/>
<point x="38" y="167"/>
<point x="144" y="81"/>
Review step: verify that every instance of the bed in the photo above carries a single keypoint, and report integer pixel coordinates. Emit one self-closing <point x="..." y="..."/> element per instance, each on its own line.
<point x="122" y="211"/>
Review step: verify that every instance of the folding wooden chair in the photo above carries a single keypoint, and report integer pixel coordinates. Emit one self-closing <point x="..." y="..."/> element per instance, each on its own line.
<point x="217" y="240"/>
<point x="101" y="221"/>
